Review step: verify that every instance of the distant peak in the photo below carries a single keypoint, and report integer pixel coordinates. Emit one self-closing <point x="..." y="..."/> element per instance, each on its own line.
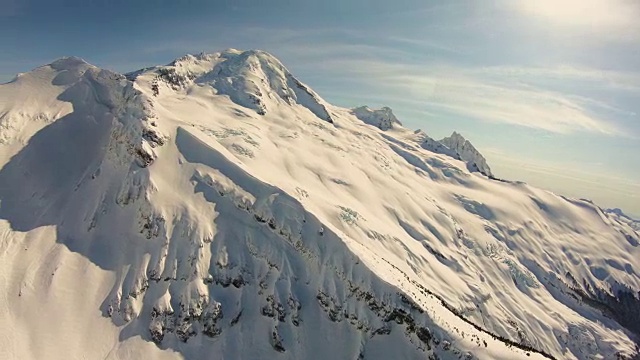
<point x="456" y="135"/>
<point x="619" y="212"/>
<point x="616" y="211"/>
<point x="467" y="152"/>
<point x="382" y="118"/>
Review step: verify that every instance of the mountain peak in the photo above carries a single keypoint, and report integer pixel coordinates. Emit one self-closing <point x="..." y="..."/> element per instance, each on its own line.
<point x="253" y="79"/>
<point x="382" y="118"/>
<point x="69" y="63"/>
<point x="634" y="223"/>
<point x="467" y="152"/>
<point x="457" y="147"/>
<point x="240" y="59"/>
<point x="69" y="66"/>
<point x="456" y="135"/>
<point x="619" y="212"/>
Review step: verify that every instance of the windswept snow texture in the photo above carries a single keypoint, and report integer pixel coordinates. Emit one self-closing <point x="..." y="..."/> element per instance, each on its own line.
<point x="218" y="208"/>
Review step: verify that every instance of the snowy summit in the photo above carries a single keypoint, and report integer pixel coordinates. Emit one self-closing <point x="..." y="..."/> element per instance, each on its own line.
<point x="382" y="118"/>
<point x="217" y="207"/>
<point x="467" y="152"/>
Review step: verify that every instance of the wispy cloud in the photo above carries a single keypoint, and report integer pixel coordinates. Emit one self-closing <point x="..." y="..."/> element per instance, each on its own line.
<point x="618" y="80"/>
<point x="608" y="13"/>
<point x="613" y="19"/>
<point x="391" y="68"/>
<point x="606" y="188"/>
<point x="472" y="93"/>
<point x="530" y="107"/>
<point x="523" y="96"/>
<point x="427" y="44"/>
<point x="566" y="169"/>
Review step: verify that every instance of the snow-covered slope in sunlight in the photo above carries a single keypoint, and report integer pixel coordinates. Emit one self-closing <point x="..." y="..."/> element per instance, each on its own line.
<point x="217" y="207"/>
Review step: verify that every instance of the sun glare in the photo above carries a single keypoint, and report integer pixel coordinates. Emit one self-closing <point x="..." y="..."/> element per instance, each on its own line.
<point x="593" y="13"/>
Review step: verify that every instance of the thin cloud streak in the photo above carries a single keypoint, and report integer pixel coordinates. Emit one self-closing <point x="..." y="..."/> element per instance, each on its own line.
<point x="603" y="14"/>
<point x="498" y="94"/>
<point x="564" y="169"/>
<point x="625" y="81"/>
<point x="464" y="92"/>
<point x="562" y="178"/>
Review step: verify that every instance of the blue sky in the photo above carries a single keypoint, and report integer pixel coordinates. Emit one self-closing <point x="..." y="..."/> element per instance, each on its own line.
<point x="548" y="90"/>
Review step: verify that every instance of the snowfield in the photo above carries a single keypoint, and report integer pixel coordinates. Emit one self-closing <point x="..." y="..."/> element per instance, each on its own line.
<point x="219" y="208"/>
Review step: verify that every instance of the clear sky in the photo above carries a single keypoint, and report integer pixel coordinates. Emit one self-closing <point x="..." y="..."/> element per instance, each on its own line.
<point x="548" y="90"/>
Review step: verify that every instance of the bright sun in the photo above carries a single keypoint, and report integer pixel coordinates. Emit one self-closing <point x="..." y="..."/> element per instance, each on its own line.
<point x="593" y="13"/>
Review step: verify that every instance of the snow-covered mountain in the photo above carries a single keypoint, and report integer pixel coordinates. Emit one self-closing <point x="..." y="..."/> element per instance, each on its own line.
<point x="217" y="207"/>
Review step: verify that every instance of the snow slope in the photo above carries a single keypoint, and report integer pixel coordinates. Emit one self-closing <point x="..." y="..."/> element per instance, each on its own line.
<point x="219" y="207"/>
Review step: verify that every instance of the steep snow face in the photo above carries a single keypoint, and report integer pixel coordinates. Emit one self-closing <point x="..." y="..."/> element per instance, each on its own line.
<point x="467" y="152"/>
<point x="382" y="118"/>
<point x="199" y="227"/>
